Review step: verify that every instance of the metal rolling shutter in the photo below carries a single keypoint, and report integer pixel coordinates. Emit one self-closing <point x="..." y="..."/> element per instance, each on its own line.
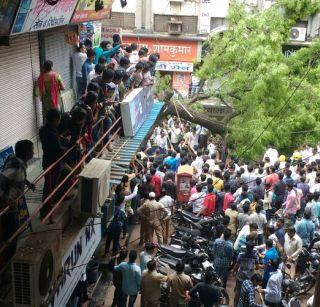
<point x="18" y="118"/>
<point x="56" y="50"/>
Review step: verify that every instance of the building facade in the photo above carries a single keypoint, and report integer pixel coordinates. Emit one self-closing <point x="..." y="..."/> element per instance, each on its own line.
<point x="174" y="28"/>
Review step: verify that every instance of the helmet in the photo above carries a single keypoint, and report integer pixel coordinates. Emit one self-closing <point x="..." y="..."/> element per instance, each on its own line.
<point x="297" y="155"/>
<point x="282" y="158"/>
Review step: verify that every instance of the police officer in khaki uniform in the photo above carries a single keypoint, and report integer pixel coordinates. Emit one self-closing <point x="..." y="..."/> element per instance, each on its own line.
<point x="153" y="212"/>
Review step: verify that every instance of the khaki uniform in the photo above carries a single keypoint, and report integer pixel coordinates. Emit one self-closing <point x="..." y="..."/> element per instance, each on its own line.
<point x="165" y="230"/>
<point x="153" y="213"/>
<point x="150" y="288"/>
<point x="179" y="284"/>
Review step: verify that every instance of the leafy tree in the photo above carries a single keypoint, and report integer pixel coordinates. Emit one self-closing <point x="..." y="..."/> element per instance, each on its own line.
<point x="272" y="98"/>
<point x="163" y="86"/>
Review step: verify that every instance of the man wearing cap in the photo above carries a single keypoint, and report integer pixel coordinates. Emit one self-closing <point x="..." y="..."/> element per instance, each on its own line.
<point x="153" y="213"/>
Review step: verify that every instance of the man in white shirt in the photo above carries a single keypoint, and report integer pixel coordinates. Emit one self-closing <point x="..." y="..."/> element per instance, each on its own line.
<point x="161" y="140"/>
<point x="249" y="177"/>
<point x="212" y="162"/>
<point x="198" y="163"/>
<point x="272" y="154"/>
<point x="192" y="138"/>
<point x="196" y="200"/>
<point x="134" y="57"/>
<point x="97" y="72"/>
<point x="212" y="148"/>
<point x="203" y="136"/>
<point x="79" y="58"/>
<point x="274" y="286"/>
<point x="316" y="186"/>
<point x="315" y="155"/>
<point x="175" y="135"/>
<point x="292" y="248"/>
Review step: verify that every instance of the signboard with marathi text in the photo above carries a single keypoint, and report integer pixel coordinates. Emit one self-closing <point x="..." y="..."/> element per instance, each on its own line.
<point x="174" y="66"/>
<point x="177" y="50"/>
<point x="36" y="15"/>
<point x="8" y="10"/>
<point x="85" y="11"/>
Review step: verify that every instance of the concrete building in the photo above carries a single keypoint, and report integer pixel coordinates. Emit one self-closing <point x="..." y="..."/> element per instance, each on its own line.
<point x="173" y="28"/>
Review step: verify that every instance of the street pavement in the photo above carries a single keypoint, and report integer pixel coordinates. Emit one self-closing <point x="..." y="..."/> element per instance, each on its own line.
<point x="104" y="294"/>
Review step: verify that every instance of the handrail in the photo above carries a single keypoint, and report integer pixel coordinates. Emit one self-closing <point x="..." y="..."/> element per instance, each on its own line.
<point x="30" y="218"/>
<point x="75" y="182"/>
<point x="41" y="175"/>
<point x="47" y="170"/>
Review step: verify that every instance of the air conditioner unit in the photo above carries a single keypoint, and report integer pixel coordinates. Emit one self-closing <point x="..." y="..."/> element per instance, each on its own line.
<point x="36" y="267"/>
<point x="94" y="185"/>
<point x="298" y="34"/>
<point x="174" y="27"/>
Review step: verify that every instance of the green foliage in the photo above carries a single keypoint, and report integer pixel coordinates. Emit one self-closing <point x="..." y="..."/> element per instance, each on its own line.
<point x="162" y="85"/>
<point x="257" y="79"/>
<point x="299" y="9"/>
<point x="197" y="107"/>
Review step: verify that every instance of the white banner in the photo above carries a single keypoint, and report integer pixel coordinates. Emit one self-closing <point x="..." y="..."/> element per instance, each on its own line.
<point x="174" y="66"/>
<point x="205" y="16"/>
<point x="77" y="256"/>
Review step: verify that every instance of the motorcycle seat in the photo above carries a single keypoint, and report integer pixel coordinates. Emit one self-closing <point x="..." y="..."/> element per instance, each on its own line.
<point x="182" y="230"/>
<point x="172" y="264"/>
<point x="191" y="216"/>
<point x="173" y="251"/>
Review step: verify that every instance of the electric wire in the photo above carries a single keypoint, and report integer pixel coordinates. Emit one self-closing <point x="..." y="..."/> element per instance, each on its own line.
<point x="281" y="109"/>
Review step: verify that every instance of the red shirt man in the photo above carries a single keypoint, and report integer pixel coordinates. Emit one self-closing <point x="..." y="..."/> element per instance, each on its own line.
<point x="156" y="181"/>
<point x="209" y="203"/>
<point x="273" y="178"/>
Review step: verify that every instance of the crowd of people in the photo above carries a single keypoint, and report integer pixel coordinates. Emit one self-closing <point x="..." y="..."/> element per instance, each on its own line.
<point x="104" y="75"/>
<point x="271" y="211"/>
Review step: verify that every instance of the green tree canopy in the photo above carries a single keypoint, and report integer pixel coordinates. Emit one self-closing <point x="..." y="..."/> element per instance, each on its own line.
<point x="266" y="88"/>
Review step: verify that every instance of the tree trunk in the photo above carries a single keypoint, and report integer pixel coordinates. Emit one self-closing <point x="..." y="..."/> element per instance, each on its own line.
<point x="197" y="118"/>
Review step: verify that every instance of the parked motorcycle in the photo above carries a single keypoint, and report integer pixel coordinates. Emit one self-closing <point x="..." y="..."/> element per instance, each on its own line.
<point x="205" y="226"/>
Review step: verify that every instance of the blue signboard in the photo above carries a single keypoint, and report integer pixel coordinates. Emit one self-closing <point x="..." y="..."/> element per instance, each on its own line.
<point x="8" y="10"/>
<point x="4" y="153"/>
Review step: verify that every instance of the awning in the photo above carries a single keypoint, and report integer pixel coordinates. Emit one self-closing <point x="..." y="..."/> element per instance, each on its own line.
<point x="124" y="149"/>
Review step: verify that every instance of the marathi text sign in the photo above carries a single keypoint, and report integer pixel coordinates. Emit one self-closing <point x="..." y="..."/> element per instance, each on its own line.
<point x="8" y="9"/>
<point x="85" y="11"/>
<point x="36" y="15"/>
<point x="177" y="50"/>
<point x="174" y="66"/>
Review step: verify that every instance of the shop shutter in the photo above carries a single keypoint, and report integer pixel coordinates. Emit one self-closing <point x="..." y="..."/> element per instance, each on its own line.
<point x="55" y="49"/>
<point x="19" y="66"/>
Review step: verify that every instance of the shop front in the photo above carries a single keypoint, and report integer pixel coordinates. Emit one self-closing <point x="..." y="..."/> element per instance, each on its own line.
<point x="176" y="58"/>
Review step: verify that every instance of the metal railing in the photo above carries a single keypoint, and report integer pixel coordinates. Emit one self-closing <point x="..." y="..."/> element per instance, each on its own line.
<point x="68" y="177"/>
